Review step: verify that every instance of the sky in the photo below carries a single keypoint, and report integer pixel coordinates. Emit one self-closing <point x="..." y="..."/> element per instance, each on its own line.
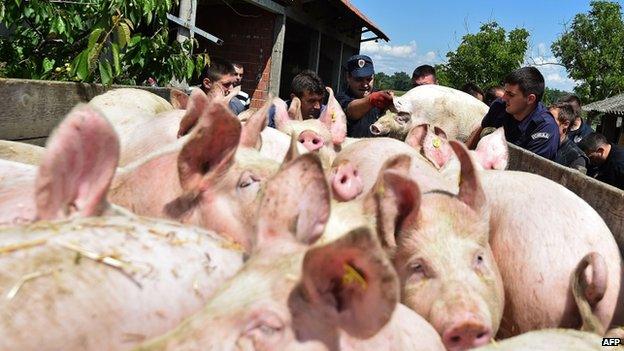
<point x="422" y="32"/>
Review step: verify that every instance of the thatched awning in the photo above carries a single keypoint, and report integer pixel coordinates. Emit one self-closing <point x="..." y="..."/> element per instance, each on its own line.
<point x="613" y="105"/>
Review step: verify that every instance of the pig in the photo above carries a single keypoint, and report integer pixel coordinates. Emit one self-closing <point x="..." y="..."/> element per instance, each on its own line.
<point x="105" y="283"/>
<point x="539" y="232"/>
<point x="342" y="295"/>
<point x="124" y="106"/>
<point x="21" y="152"/>
<point x="324" y="135"/>
<point x="74" y="175"/>
<point x="590" y="338"/>
<point x="491" y="152"/>
<point x="368" y="155"/>
<point x="456" y="112"/>
<point x="439" y="247"/>
<point x="202" y="179"/>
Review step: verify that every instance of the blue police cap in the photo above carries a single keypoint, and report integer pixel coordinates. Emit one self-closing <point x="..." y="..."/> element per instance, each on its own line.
<point x="360" y="66"/>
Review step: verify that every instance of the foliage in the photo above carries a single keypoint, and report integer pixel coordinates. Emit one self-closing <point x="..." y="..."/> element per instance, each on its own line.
<point x="484" y="58"/>
<point x="553" y="95"/>
<point x="592" y="50"/>
<point x="107" y="41"/>
<point x="397" y="81"/>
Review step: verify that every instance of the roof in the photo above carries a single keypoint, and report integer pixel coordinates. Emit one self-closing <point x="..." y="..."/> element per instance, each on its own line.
<point x="367" y="22"/>
<point x="614" y="104"/>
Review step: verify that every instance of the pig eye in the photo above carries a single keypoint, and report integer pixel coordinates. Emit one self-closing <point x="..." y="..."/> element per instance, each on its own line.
<point x="417" y="270"/>
<point x="402" y="118"/>
<point x="265" y="330"/>
<point x="247" y="179"/>
<point x="479" y="259"/>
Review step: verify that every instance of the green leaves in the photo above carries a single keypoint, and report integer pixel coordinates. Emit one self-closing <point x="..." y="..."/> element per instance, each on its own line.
<point x="107" y="41"/>
<point x="592" y="50"/>
<point x="484" y="58"/>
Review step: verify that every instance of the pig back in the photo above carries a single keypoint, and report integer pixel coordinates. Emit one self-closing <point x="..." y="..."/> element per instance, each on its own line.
<point x="104" y="283"/>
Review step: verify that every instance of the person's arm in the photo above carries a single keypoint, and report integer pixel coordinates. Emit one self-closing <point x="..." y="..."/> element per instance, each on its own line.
<point x="580" y="164"/>
<point x="544" y="141"/>
<point x="360" y="107"/>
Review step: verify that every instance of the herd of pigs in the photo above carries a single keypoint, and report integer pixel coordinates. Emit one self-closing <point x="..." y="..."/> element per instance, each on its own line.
<point x="174" y="225"/>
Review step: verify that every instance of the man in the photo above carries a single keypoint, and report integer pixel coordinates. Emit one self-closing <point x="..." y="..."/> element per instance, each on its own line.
<point x="579" y="129"/>
<point x="360" y="102"/>
<point x="473" y="89"/>
<point x="220" y="77"/>
<point x="526" y="121"/>
<point x="423" y="75"/>
<point x="568" y="154"/>
<point x="308" y="87"/>
<point x="608" y="157"/>
<point x="239" y="71"/>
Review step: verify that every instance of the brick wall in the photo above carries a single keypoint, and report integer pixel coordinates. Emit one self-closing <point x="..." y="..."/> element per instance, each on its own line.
<point x="247" y="33"/>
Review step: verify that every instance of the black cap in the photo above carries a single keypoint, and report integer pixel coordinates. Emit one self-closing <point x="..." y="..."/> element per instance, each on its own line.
<point x="360" y="66"/>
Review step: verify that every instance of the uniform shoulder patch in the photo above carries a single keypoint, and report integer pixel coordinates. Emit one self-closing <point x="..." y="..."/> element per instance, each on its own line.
<point x="540" y="135"/>
<point x="577" y="139"/>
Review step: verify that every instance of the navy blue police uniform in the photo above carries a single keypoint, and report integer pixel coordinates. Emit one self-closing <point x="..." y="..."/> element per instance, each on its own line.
<point x="358" y="66"/>
<point x="612" y="170"/>
<point x="538" y="132"/>
<point x="577" y="135"/>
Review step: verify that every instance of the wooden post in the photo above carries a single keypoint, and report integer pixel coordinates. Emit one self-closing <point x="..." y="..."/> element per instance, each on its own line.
<point x="277" y="54"/>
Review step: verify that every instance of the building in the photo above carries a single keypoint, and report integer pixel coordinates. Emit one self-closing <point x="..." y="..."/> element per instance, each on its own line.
<point x="612" y="112"/>
<point x="274" y="40"/>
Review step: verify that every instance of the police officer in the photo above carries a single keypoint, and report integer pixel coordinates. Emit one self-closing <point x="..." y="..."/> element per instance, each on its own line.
<point x="579" y="129"/>
<point x="526" y="121"/>
<point x="568" y="154"/>
<point x="360" y="102"/>
<point x="608" y="157"/>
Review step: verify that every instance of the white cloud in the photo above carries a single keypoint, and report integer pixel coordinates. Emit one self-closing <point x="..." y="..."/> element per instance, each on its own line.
<point x="397" y="58"/>
<point x="555" y="75"/>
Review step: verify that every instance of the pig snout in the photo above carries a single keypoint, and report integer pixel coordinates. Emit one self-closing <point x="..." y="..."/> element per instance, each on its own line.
<point x="466" y="334"/>
<point x="311" y="140"/>
<point x="377" y="129"/>
<point x="346" y="182"/>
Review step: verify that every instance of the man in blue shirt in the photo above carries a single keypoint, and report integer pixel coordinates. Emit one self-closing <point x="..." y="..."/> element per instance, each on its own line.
<point x="361" y="103"/>
<point x="526" y="121"/>
<point x="579" y="129"/>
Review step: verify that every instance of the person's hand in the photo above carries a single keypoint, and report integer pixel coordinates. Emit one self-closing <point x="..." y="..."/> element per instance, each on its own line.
<point x="380" y="99"/>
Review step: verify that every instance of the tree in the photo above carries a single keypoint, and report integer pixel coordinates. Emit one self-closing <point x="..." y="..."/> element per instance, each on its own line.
<point x="484" y="58"/>
<point x="107" y="41"/>
<point x="383" y="81"/>
<point x="592" y="51"/>
<point x="401" y="81"/>
<point x="553" y="95"/>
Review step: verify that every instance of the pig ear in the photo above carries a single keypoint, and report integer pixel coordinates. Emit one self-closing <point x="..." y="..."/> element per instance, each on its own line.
<point x="179" y="99"/>
<point x="416" y="136"/>
<point x="250" y="134"/>
<point x="334" y="119"/>
<point x="439" y="132"/>
<point x="282" y="119"/>
<point x="354" y="279"/>
<point x="197" y="104"/>
<point x="211" y="147"/>
<point x="470" y="190"/>
<point x="294" y="111"/>
<point x="295" y="202"/>
<point x="78" y="167"/>
<point x="293" y="150"/>
<point x="396" y="202"/>
<point x="432" y="145"/>
<point x="492" y="151"/>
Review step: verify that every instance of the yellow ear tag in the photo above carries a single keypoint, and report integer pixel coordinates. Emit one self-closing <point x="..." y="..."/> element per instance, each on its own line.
<point x="436" y="142"/>
<point x="333" y="116"/>
<point x="352" y="276"/>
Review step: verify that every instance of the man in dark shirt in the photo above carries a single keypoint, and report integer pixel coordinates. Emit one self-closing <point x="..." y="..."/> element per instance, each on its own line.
<point x="526" y="121"/>
<point x="608" y="157"/>
<point x="579" y="129"/>
<point x="568" y="154"/>
<point x="308" y="87"/>
<point x="360" y="102"/>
